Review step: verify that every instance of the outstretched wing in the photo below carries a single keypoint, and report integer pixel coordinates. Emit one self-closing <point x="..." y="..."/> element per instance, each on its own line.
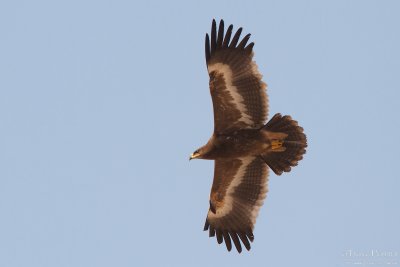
<point x="238" y="93"/>
<point x="238" y="192"/>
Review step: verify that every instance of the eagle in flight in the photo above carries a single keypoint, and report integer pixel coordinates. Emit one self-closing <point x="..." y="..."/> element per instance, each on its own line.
<point x="243" y="145"/>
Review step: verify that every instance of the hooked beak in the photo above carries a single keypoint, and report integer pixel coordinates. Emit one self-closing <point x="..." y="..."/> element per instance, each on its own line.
<point x="194" y="155"/>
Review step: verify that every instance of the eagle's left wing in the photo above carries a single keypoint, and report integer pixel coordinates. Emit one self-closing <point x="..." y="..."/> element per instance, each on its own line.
<point x="238" y="93"/>
<point x="238" y="192"/>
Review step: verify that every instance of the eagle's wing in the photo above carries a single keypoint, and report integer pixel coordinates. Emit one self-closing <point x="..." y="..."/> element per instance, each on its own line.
<point x="238" y="93"/>
<point x="238" y="192"/>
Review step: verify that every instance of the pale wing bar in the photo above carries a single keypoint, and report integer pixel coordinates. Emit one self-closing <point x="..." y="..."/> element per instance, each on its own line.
<point x="238" y="93"/>
<point x="235" y="200"/>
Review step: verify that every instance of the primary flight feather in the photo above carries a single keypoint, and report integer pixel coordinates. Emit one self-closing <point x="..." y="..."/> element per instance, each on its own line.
<point x="242" y="145"/>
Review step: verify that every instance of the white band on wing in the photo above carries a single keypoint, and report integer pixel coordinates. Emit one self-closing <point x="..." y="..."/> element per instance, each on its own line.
<point x="236" y="181"/>
<point x="238" y="100"/>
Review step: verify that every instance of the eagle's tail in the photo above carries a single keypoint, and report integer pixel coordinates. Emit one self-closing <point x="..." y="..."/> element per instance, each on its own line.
<point x="288" y="143"/>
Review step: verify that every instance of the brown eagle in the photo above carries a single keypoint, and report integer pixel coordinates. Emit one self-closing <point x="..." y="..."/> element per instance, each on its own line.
<point x="242" y="145"/>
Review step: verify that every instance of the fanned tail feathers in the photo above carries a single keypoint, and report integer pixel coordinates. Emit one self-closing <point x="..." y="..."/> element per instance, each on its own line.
<point x="289" y="150"/>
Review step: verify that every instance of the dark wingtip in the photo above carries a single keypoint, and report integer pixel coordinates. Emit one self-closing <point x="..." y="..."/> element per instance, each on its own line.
<point x="220" y="35"/>
<point x="220" y="39"/>
<point x="249" y="48"/>
<point x="207" y="47"/>
<point x="227" y="37"/>
<point x="244" y="41"/>
<point x="213" y="36"/>
<point x="235" y="39"/>
<point x="219" y="236"/>
<point x="206" y="225"/>
<point x="245" y="241"/>
<point x="227" y="239"/>
<point x="236" y="241"/>
<point x="212" y="231"/>
<point x="213" y="24"/>
<point x="230" y="237"/>
<point x="250" y="235"/>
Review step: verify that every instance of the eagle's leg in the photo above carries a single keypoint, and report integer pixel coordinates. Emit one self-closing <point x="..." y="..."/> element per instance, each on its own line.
<point x="276" y="145"/>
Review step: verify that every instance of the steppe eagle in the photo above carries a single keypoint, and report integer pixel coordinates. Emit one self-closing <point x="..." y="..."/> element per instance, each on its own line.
<point x="242" y="145"/>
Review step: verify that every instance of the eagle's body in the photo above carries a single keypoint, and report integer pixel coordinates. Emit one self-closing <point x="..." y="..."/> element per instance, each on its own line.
<point x="243" y="145"/>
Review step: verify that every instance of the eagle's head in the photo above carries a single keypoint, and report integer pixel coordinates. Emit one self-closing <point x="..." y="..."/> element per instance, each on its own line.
<point x="206" y="151"/>
<point x="197" y="154"/>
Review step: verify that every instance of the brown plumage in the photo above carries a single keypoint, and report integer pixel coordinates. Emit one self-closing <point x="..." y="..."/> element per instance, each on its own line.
<point x="242" y="145"/>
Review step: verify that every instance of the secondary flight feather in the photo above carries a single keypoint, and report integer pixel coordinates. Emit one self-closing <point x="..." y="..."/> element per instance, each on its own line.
<point x="242" y="145"/>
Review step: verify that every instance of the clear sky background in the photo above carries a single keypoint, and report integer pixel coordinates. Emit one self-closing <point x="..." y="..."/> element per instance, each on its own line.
<point x="101" y="103"/>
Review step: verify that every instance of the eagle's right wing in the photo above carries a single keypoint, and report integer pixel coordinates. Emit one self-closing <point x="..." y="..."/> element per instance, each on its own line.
<point x="238" y="93"/>
<point x="238" y="192"/>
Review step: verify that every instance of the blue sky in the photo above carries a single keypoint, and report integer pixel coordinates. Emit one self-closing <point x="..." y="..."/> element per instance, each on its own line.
<point x="101" y="103"/>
